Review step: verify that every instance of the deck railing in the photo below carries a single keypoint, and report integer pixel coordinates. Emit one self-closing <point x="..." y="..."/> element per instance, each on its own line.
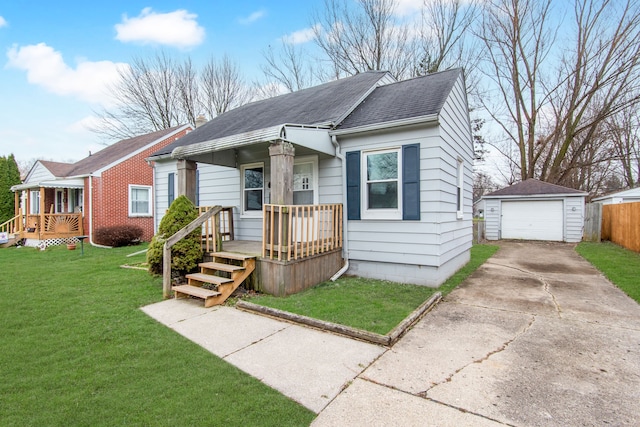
<point x="291" y="232"/>
<point x="44" y="226"/>
<point x="222" y="222"/>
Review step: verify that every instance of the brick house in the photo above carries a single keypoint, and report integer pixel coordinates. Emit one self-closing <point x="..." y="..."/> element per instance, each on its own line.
<point x="60" y="201"/>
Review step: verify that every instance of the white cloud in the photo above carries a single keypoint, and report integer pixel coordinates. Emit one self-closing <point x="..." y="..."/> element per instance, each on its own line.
<point x="408" y="7"/>
<point x="45" y="67"/>
<point x="252" y="18"/>
<point x="301" y="36"/>
<point x="178" y="28"/>
<point x="3" y="22"/>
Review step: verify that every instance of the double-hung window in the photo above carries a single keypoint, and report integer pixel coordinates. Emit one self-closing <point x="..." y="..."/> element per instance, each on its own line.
<point x="459" y="190"/>
<point x="381" y="182"/>
<point x="34" y="203"/>
<point x="139" y="200"/>
<point x="384" y="184"/>
<point x="252" y="188"/>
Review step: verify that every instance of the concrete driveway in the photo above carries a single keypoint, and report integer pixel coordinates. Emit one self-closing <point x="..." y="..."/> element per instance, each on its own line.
<point x="536" y="337"/>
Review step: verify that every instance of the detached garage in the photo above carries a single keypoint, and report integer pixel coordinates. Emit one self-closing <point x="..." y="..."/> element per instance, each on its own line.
<point x="535" y="210"/>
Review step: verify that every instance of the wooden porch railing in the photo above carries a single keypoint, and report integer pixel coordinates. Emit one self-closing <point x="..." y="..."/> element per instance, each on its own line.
<point x="222" y="222"/>
<point x="291" y="232"/>
<point x="12" y="226"/>
<point x="44" y="226"/>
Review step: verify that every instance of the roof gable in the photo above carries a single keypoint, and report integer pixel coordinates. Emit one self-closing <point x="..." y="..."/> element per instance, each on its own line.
<point x="534" y="187"/>
<point x="319" y="105"/>
<point x="417" y="97"/>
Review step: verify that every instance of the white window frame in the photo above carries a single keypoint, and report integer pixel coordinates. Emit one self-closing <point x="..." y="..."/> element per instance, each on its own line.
<point x="149" y="189"/>
<point x="460" y="189"/>
<point x="34" y="202"/>
<point x="314" y="165"/>
<point x="365" y="212"/>
<point x="59" y="208"/>
<point x="244" y="212"/>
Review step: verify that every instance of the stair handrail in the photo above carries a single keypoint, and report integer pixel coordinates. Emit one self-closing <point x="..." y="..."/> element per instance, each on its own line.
<point x="179" y="235"/>
<point x="12" y="225"/>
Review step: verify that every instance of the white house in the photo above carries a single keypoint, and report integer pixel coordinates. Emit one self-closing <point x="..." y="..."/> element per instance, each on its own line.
<point x="626" y="196"/>
<point x="394" y="159"/>
<point x="535" y="210"/>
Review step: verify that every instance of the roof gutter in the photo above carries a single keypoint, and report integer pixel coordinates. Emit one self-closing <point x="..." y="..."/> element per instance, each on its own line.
<point x="431" y="118"/>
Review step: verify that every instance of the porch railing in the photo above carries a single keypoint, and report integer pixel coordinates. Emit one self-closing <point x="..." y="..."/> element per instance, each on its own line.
<point x="12" y="226"/>
<point x="216" y="228"/>
<point x="43" y="226"/>
<point x="291" y="232"/>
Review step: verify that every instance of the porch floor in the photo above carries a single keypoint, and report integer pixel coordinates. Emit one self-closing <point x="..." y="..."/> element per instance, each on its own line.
<point x="246" y="247"/>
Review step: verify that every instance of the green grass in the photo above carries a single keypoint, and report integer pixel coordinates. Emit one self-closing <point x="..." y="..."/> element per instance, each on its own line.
<point x="372" y="305"/>
<point x="621" y="266"/>
<point x="77" y="351"/>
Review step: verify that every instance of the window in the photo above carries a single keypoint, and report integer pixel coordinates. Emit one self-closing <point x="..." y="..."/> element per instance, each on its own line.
<point x="75" y="200"/>
<point x="459" y="186"/>
<point x="139" y="200"/>
<point x="384" y="184"/>
<point x="381" y="184"/>
<point x="305" y="169"/>
<point x="34" y="203"/>
<point x="171" y="187"/>
<point x="59" y="200"/>
<point x="252" y="188"/>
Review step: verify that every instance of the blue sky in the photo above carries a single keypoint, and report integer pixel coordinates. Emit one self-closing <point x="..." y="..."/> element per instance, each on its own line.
<point x="57" y="57"/>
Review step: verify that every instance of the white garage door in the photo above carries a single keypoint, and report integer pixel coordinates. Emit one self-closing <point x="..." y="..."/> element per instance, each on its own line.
<point x="532" y="220"/>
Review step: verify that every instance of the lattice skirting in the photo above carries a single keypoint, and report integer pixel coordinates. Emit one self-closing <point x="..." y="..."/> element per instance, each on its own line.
<point x="35" y="243"/>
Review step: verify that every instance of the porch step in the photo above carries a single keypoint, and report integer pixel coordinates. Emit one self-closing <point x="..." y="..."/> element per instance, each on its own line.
<point x="188" y="290"/>
<point x="207" y="278"/>
<point x="221" y="267"/>
<point x="237" y="266"/>
<point x="231" y="255"/>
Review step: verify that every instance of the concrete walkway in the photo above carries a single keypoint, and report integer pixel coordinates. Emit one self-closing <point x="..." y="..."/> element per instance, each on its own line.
<point x="536" y="337"/>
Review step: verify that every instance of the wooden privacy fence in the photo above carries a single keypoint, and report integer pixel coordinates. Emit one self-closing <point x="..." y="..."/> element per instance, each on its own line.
<point x="621" y="224"/>
<point x="291" y="232"/>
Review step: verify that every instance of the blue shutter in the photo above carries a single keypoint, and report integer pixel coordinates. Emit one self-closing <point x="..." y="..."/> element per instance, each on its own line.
<point x="411" y="182"/>
<point x="353" y="184"/>
<point x="171" y="189"/>
<point x="197" y="187"/>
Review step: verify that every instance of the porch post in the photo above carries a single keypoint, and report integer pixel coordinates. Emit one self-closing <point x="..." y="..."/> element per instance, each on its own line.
<point x="282" y="154"/>
<point x="187" y="179"/>
<point x="42" y="210"/>
<point x="16" y="202"/>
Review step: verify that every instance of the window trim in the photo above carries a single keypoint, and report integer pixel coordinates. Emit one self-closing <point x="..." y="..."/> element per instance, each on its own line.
<point x="366" y="213"/>
<point x="460" y="189"/>
<point x="130" y="204"/>
<point x="34" y="202"/>
<point x="243" y="212"/>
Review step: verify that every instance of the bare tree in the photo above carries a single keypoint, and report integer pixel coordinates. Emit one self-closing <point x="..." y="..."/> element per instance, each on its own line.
<point x="482" y="184"/>
<point x="623" y="130"/>
<point x="223" y="86"/>
<point x="289" y="67"/>
<point x="364" y="35"/>
<point x="554" y="115"/>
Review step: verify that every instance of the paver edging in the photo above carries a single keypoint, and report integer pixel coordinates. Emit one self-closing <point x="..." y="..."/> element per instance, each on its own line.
<point x="371" y="337"/>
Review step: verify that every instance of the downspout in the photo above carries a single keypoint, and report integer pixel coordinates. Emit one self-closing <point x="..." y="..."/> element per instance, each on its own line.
<point x="345" y="234"/>
<point x="91" y="242"/>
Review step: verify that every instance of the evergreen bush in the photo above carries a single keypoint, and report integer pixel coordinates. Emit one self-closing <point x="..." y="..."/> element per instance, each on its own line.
<point x="187" y="253"/>
<point x="118" y="235"/>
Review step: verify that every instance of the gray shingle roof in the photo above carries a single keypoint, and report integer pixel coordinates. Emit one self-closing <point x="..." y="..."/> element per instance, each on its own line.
<point x="107" y="155"/>
<point x="323" y="104"/>
<point x="533" y="187"/>
<point x="420" y="96"/>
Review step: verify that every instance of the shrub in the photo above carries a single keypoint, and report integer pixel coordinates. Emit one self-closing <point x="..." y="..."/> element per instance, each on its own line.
<point x="187" y="253"/>
<point x="118" y="235"/>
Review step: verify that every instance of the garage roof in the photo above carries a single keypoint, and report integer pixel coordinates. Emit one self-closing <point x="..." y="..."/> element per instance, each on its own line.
<point x="534" y="187"/>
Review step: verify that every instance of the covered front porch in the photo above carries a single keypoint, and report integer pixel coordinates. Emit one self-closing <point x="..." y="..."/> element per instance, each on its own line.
<point x="279" y="216"/>
<point x="60" y="222"/>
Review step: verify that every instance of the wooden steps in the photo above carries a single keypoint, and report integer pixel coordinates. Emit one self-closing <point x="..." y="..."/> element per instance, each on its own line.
<point x="225" y="273"/>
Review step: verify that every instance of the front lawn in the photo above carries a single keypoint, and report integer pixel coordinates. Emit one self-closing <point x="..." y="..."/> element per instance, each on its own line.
<point x="621" y="266"/>
<point x="77" y="351"/>
<point x="372" y="305"/>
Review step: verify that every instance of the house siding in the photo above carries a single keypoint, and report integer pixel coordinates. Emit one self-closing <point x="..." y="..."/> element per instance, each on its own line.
<point x="110" y="193"/>
<point x="492" y="219"/>
<point x="429" y="250"/>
